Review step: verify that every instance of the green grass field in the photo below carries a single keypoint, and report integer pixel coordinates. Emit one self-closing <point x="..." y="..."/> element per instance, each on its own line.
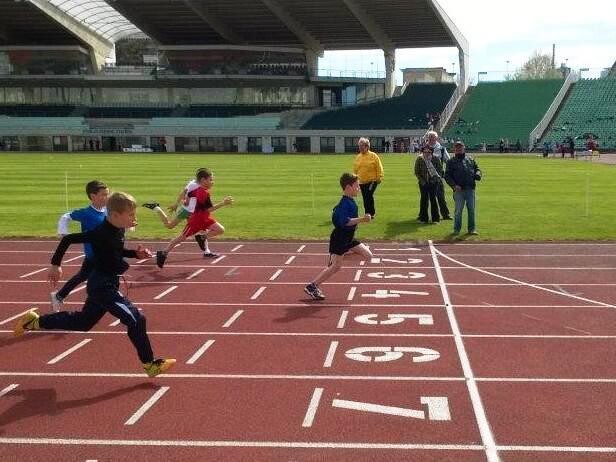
<point x="291" y="196"/>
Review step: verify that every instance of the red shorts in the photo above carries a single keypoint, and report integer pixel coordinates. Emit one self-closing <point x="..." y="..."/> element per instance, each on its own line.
<point x="198" y="222"/>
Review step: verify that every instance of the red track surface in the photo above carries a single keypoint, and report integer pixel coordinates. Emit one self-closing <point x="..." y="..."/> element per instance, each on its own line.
<point x="518" y="367"/>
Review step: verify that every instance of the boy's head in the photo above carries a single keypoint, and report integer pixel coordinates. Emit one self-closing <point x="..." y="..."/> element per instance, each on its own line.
<point x="122" y="210"/>
<point x="205" y="177"/>
<point x="349" y="184"/>
<point x="97" y="192"/>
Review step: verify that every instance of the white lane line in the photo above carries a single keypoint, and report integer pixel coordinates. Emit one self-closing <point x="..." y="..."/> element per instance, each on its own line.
<point x="8" y="389"/>
<point x="255" y="444"/>
<point x="329" y="358"/>
<point x="32" y="273"/>
<point x="74" y="258"/>
<point x="312" y="407"/>
<point x="61" y="356"/>
<point x="578" y="330"/>
<point x="289" y="260"/>
<point x="165" y="292"/>
<point x="362" y="263"/>
<point x="237" y="247"/>
<point x="19" y="315"/>
<point x="142" y="261"/>
<point x="146" y="406"/>
<point x="342" y="320"/>
<point x="275" y="275"/>
<point x="115" y="323"/>
<point x="233" y="318"/>
<point x="357" y="276"/>
<point x="522" y="283"/>
<point x="196" y="273"/>
<point x="222" y="257"/>
<point x="300" y="249"/>
<point x="231" y="272"/>
<point x="351" y="295"/>
<point x="482" y="420"/>
<point x="259" y="291"/>
<point x="200" y="351"/>
<point x="80" y="288"/>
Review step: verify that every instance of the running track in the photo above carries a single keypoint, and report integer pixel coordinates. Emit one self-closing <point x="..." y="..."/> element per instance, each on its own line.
<point x="465" y="352"/>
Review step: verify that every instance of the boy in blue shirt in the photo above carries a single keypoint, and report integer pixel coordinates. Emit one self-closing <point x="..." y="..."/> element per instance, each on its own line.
<point x="90" y="217"/>
<point x="341" y="241"/>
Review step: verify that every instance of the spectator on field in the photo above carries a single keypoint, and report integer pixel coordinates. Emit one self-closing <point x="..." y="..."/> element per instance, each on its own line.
<point x="429" y="172"/>
<point x="571" y="147"/>
<point x="547" y="148"/>
<point x="501" y="146"/>
<point x="518" y="146"/>
<point x="462" y="173"/>
<point x="369" y="169"/>
<point x="440" y="152"/>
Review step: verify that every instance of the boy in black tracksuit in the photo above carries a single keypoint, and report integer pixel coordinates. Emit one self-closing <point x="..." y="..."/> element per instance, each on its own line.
<point x="107" y="242"/>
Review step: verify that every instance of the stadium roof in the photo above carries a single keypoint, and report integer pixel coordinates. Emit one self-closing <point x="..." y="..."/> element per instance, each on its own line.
<point x="313" y="24"/>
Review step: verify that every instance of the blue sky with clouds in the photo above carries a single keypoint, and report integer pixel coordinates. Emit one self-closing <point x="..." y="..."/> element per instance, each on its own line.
<point x="499" y="31"/>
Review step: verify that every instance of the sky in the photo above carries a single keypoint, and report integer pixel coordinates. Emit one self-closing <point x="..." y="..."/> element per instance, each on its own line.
<point x="499" y="31"/>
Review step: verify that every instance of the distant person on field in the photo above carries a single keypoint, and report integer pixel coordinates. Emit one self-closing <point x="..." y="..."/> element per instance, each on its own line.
<point x="104" y="296"/>
<point x="369" y="170"/>
<point x="439" y="152"/>
<point x="201" y="220"/>
<point x="461" y="174"/>
<point x="342" y="240"/>
<point x="571" y="147"/>
<point x="186" y="207"/>
<point x="90" y="217"/>
<point x="429" y="172"/>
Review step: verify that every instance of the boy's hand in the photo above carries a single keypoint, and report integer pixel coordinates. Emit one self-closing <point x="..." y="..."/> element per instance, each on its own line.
<point x="143" y="253"/>
<point x="227" y="200"/>
<point x="53" y="275"/>
<point x="367" y="218"/>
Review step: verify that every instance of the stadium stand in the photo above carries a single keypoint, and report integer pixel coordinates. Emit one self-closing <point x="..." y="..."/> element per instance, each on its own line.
<point x="408" y="111"/>
<point x="187" y="123"/>
<point x="589" y="109"/>
<point x="508" y="110"/>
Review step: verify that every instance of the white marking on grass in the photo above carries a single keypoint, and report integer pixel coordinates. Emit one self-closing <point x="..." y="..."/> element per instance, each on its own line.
<point x="329" y="358"/>
<point x="196" y="273"/>
<point x="146" y="406"/>
<point x="275" y="275"/>
<point x="61" y="356"/>
<point x="259" y="291"/>
<point x="312" y="407"/>
<point x="165" y="292"/>
<point x="233" y="318"/>
<point x="193" y="359"/>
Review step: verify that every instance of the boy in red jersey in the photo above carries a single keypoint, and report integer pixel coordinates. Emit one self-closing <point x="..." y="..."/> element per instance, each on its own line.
<point x="201" y="220"/>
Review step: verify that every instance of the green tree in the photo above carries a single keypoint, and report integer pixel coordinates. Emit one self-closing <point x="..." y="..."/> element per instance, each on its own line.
<point x="538" y="66"/>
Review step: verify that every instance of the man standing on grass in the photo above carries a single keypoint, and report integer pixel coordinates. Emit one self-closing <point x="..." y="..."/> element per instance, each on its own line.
<point x="461" y="174"/>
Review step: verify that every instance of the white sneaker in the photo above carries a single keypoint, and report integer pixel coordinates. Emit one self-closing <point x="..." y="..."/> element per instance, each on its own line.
<point x="56" y="303"/>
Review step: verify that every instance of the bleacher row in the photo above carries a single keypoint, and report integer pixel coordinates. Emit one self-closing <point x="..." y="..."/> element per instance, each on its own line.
<point x="490" y="112"/>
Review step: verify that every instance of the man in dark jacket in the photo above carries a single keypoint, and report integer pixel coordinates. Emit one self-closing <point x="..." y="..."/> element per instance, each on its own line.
<point x="461" y="174"/>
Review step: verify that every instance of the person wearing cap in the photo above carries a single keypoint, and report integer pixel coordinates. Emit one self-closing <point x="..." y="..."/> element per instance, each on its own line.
<point x="440" y="153"/>
<point x="429" y="173"/>
<point x="462" y="174"/>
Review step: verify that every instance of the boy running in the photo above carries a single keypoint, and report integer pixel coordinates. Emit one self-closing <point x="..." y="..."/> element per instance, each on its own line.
<point x="103" y="284"/>
<point x="90" y="217"/>
<point x="187" y="207"/>
<point x="341" y="241"/>
<point x="201" y="221"/>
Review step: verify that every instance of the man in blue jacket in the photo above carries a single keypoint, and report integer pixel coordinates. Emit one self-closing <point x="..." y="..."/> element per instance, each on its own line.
<point x="461" y="174"/>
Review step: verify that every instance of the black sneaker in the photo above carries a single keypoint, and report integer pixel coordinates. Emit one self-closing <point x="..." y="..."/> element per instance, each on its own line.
<point x="315" y="293"/>
<point x="161" y="256"/>
<point x="151" y="205"/>
<point x="200" y="238"/>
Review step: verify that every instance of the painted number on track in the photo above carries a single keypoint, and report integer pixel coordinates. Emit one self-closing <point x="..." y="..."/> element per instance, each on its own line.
<point x="436" y="408"/>
<point x="387" y="354"/>
<point x="372" y="319"/>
